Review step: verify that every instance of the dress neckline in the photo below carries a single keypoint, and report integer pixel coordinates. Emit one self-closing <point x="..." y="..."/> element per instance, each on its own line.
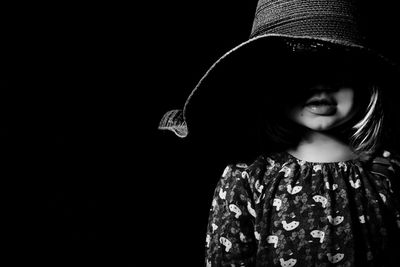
<point x="350" y="161"/>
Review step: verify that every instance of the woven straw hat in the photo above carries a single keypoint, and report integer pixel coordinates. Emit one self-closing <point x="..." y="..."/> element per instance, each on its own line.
<point x="285" y="35"/>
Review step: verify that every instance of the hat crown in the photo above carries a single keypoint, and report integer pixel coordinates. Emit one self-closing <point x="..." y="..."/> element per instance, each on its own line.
<point x="335" y="20"/>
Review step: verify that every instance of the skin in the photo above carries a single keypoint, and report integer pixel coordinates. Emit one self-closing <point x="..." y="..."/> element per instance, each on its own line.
<point x="320" y="144"/>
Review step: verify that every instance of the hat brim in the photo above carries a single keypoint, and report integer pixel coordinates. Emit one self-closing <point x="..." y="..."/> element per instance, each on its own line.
<point x="224" y="102"/>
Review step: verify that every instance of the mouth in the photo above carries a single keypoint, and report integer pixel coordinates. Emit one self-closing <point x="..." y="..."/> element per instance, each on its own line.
<point x="324" y="106"/>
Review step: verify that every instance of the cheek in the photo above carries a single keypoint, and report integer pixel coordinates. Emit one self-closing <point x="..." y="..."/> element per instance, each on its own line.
<point x="294" y="113"/>
<point x="345" y="100"/>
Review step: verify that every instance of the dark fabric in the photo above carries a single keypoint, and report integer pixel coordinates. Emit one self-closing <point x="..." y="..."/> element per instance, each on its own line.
<point x="282" y="211"/>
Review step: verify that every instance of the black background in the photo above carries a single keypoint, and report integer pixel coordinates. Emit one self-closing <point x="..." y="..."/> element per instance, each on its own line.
<point x="87" y="178"/>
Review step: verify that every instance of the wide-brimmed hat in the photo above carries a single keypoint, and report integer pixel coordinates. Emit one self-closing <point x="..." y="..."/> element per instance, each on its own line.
<point x="289" y="39"/>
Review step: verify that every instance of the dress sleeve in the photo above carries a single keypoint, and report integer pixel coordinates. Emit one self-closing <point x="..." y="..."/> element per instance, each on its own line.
<point x="230" y="239"/>
<point x="394" y="160"/>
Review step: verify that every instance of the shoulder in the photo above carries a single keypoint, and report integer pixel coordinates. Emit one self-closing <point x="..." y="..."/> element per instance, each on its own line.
<point x="233" y="175"/>
<point x="386" y="156"/>
<point x="385" y="162"/>
<point x="238" y="172"/>
<point x="245" y="170"/>
<point x="247" y="175"/>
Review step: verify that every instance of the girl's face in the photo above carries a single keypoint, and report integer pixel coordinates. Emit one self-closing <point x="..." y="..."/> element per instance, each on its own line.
<point x="322" y="107"/>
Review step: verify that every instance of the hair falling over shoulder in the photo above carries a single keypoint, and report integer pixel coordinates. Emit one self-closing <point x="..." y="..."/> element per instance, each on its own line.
<point x="367" y="132"/>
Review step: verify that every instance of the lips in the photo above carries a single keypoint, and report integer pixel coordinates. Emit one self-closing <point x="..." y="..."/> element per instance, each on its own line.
<point x="324" y="106"/>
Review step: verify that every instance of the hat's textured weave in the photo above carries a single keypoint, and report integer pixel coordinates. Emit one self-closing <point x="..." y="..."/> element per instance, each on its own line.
<point x="325" y="19"/>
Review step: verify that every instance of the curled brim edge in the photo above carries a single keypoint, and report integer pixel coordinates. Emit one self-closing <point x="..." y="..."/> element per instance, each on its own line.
<point x="175" y="120"/>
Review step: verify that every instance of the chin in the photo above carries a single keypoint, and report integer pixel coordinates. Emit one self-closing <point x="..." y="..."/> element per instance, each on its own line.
<point x="320" y="126"/>
<point x="321" y="123"/>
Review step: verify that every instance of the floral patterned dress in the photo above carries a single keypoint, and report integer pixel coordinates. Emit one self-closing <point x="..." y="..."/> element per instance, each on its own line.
<point x="282" y="211"/>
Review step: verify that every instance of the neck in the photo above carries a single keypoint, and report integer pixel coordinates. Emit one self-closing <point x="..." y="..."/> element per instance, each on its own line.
<point x="322" y="147"/>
